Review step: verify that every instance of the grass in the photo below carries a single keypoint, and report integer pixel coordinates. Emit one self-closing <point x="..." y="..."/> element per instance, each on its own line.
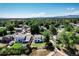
<point x="17" y="45"/>
<point x="46" y="33"/>
<point x="38" y="44"/>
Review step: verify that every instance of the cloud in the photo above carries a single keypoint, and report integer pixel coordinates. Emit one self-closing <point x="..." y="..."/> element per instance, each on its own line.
<point x="70" y="9"/>
<point x="72" y="13"/>
<point x="41" y="14"/>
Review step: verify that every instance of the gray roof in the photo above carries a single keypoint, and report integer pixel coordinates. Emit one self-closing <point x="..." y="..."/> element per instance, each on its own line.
<point x="18" y="28"/>
<point x="0" y="38"/>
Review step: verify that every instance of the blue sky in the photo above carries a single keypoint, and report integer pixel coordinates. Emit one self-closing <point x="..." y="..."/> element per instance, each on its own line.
<point x="25" y="10"/>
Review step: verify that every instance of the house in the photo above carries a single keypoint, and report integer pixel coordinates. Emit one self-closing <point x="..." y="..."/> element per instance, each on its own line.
<point x="0" y="38"/>
<point x="28" y="38"/>
<point x="61" y="26"/>
<point x="6" y="39"/>
<point x="20" y="38"/>
<point x="26" y="28"/>
<point x="42" y="27"/>
<point x="22" y="29"/>
<point x="23" y="38"/>
<point x="20" y="26"/>
<point x="72" y="24"/>
<point x="18" y="30"/>
<point x="38" y="39"/>
<point x="77" y="25"/>
<point x="3" y="27"/>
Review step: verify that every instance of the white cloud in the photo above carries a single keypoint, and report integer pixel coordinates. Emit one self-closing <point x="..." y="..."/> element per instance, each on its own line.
<point x="70" y="9"/>
<point x="41" y="14"/>
<point x="72" y="13"/>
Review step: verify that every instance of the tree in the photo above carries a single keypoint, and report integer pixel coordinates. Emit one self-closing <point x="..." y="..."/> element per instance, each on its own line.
<point x="35" y="29"/>
<point x="49" y="46"/>
<point x="69" y="27"/>
<point x="5" y="51"/>
<point x="47" y="26"/>
<point x="67" y="40"/>
<point x="53" y="30"/>
<point x="10" y="28"/>
<point x="77" y="30"/>
<point x="3" y="31"/>
<point x="46" y="33"/>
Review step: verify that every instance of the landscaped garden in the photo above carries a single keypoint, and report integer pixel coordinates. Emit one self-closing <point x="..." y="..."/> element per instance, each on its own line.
<point x="38" y="45"/>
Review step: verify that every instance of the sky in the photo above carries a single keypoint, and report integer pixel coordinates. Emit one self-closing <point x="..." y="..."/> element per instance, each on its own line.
<point x="26" y="10"/>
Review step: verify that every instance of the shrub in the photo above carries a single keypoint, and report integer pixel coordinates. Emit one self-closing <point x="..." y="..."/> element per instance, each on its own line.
<point x="3" y="31"/>
<point x="77" y="30"/>
<point x="10" y="28"/>
<point x="15" y="50"/>
<point x="49" y="46"/>
<point x="35" y="29"/>
<point x="67" y="40"/>
<point x="47" y="35"/>
<point x="53" y="30"/>
<point x="69" y="27"/>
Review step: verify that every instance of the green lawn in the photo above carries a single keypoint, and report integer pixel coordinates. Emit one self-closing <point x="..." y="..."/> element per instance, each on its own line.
<point x="38" y="44"/>
<point x="17" y="45"/>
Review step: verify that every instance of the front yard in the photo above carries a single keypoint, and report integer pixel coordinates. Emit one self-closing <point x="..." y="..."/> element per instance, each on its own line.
<point x="38" y="45"/>
<point x="17" y="45"/>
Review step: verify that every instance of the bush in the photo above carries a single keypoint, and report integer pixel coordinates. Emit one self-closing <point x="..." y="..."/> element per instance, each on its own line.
<point x="15" y="50"/>
<point x="53" y="30"/>
<point x="49" y="46"/>
<point x="10" y="28"/>
<point x="69" y="27"/>
<point x="67" y="40"/>
<point x="35" y="29"/>
<point x="77" y="30"/>
<point x="47" y="35"/>
<point x="3" y="31"/>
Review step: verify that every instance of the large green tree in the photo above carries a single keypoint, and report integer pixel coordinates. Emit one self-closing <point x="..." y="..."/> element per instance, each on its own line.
<point x="67" y="40"/>
<point x="53" y="30"/>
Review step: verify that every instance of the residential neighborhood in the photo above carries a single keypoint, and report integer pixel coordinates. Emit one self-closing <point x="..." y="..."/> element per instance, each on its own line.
<point x="43" y="39"/>
<point x="38" y="29"/>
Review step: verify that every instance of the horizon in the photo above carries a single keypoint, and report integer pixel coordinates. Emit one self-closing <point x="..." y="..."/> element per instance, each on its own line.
<point x="31" y="10"/>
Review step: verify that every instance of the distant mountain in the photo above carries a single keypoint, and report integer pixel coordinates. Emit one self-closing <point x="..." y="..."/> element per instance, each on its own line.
<point x="68" y="16"/>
